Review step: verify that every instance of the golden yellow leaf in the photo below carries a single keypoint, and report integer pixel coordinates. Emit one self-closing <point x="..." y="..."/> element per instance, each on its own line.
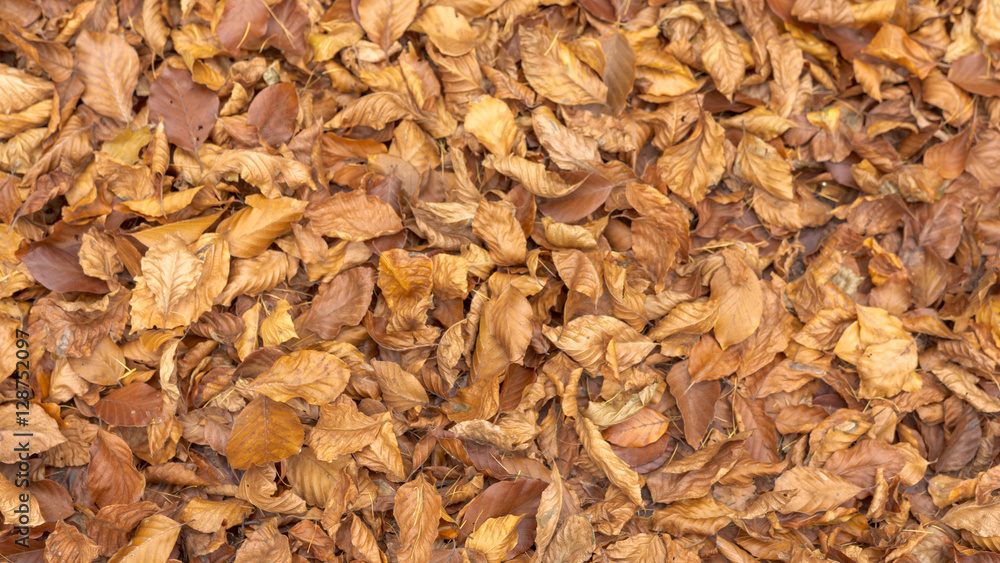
<point x="171" y="202"/>
<point x="641" y="429"/>
<point x="383" y="455"/>
<point x="19" y="89"/>
<point x="761" y="122"/>
<point x="549" y="511"/>
<point x="278" y="327"/>
<point x="258" y="488"/>
<point x="578" y="272"/>
<point x="568" y="149"/>
<point x="264" y="431"/>
<point x="262" y="170"/>
<point x="583" y="340"/>
<point x="740" y="299"/>
<point x="495" y="537"/>
<point x="818" y="490"/>
<point x="252" y="229"/>
<point x="722" y="57"/>
<point x="153" y="541"/>
<point x="450" y="276"/>
<point x="617" y="471"/>
<point x="354" y="216"/>
<point x="152" y="27"/>
<point x="760" y="164"/>
<point x="447" y="29"/>
<point x="374" y="110"/>
<point x="555" y="72"/>
<point x="32" y="116"/>
<point x="67" y="542"/>
<point x="492" y="123"/>
<point x="265" y="543"/>
<point x="252" y="276"/>
<point x="13" y="509"/>
<point x="508" y="318"/>
<point x="689" y="168"/>
<point x="988" y="22"/>
<point x="188" y="230"/>
<point x="385" y="21"/>
<point x="401" y="390"/>
<point x="317" y="377"/>
<point x="417" y="508"/>
<point x="209" y="515"/>
<point x="343" y="430"/>
<point x="170" y="273"/>
<point x="964" y="385"/>
<point x="109" y="67"/>
<point x="573" y="542"/>
<point x="532" y="175"/>
<point x="496" y="225"/>
<point x="335" y="36"/>
<point x="893" y="44"/>
<point x="406" y="285"/>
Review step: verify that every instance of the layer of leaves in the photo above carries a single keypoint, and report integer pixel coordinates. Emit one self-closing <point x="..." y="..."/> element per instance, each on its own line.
<point x="487" y="281"/>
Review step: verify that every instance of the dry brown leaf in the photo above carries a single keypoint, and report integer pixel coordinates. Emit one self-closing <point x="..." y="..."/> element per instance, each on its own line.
<point x="419" y="506"/>
<point x="385" y="21"/>
<point x="495" y="537"/>
<point x="109" y="67"/>
<point x="740" y="299"/>
<point x="492" y="123"/>
<point x="113" y="478"/>
<point x="208" y="516"/>
<point x="760" y="164"/>
<point x="555" y="72"/>
<point x="264" y="431"/>
<point x="722" y="57"/>
<point x="641" y="429"/>
<point x="317" y="377"/>
<point x="400" y="389"/>
<point x="568" y="149"/>
<point x="584" y="338"/>
<point x="448" y="30"/>
<point x="153" y="541"/>
<point x="69" y="544"/>
<point x="496" y="225"/>
<point x="893" y="44"/>
<point x="354" y="216"/>
<point x="818" y="490"/>
<point x="693" y="165"/>
<point x="252" y="229"/>
<point x="616" y="470"/>
<point x="406" y="286"/>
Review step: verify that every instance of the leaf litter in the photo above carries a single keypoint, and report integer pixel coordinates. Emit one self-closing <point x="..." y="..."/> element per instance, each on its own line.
<point x="510" y="280"/>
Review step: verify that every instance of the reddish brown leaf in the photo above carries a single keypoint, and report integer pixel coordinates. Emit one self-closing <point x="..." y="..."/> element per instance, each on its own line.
<point x="188" y="110"/>
<point x="273" y="111"/>
<point x="136" y="404"/>
<point x="112" y="477"/>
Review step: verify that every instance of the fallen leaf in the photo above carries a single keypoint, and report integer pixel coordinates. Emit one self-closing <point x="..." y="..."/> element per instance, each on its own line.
<point x="188" y="110"/>
<point x="419" y="505"/>
<point x="264" y="431"/>
<point x="109" y="67"/>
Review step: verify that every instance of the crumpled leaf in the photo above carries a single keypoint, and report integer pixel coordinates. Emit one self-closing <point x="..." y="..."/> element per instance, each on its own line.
<point x="690" y="167"/>
<point x="556" y="72"/>
<point x="316" y="377"/>
<point x="354" y="216"/>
